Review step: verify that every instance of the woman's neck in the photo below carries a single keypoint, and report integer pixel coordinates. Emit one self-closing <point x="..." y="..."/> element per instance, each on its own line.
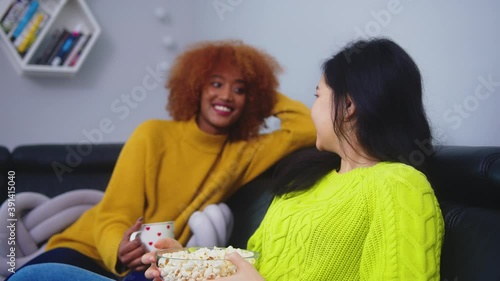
<point x="347" y="165"/>
<point x="355" y="157"/>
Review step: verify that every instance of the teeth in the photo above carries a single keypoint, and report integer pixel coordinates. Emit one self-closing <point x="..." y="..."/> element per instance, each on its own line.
<point x="222" y="108"/>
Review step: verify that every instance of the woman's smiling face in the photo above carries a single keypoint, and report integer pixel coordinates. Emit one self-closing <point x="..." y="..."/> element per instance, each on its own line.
<point x="222" y="100"/>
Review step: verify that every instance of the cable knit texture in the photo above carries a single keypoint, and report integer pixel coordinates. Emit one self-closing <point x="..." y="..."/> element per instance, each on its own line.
<point x="377" y="223"/>
<point x="167" y="170"/>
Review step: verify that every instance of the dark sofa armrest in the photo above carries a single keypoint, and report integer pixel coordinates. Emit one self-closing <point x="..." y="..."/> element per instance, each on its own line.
<point x="466" y="175"/>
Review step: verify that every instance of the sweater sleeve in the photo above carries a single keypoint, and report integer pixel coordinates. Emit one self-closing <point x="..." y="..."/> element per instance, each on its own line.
<point x="405" y="236"/>
<point x="124" y="199"/>
<point x="255" y="244"/>
<point x="295" y="119"/>
<point x="296" y="131"/>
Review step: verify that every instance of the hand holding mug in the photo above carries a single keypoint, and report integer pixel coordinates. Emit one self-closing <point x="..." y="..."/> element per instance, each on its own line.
<point x="130" y="252"/>
<point x="149" y="233"/>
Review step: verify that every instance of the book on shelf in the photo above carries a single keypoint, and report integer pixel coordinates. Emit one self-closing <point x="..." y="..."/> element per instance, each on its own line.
<point x="59" y="44"/>
<point x="23" y="21"/>
<point x="19" y="19"/>
<point x="30" y="33"/>
<point x="66" y="49"/>
<point x="30" y="11"/>
<point x="62" y="48"/>
<point x="47" y="45"/>
<point x="72" y="59"/>
<point x="13" y="15"/>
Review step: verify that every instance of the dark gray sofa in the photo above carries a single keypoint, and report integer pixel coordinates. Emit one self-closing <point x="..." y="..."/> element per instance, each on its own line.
<point x="466" y="180"/>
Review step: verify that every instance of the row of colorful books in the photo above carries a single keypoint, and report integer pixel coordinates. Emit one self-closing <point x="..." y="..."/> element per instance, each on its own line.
<point x="22" y="22"/>
<point x="62" y="48"/>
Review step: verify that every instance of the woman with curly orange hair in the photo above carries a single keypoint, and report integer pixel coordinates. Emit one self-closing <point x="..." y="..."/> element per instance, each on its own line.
<point x="220" y="94"/>
<point x="194" y="67"/>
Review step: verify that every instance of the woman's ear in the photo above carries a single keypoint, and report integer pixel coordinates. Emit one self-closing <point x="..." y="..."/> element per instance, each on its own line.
<point x="350" y="108"/>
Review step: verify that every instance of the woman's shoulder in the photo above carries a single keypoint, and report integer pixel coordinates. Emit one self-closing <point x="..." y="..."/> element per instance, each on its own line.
<point x="400" y="174"/>
<point x="400" y="182"/>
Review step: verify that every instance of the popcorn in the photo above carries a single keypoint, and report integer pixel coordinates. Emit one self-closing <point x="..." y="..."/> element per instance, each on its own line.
<point x="199" y="264"/>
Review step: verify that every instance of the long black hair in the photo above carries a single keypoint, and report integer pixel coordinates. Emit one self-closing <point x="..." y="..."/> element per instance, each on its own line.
<point x="385" y="85"/>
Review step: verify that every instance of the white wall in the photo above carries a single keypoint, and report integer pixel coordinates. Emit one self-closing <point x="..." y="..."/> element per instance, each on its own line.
<point x="455" y="44"/>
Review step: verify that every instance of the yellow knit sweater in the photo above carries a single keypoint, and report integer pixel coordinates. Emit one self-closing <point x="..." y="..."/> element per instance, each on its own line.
<point x="377" y="223"/>
<point x="167" y="170"/>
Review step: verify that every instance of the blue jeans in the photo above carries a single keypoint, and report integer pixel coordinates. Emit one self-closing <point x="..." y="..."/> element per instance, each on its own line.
<point x="66" y="256"/>
<point x="74" y="265"/>
<point x="56" y="272"/>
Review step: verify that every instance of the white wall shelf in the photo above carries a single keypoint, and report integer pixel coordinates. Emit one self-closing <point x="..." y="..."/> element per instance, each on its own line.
<point x="63" y="14"/>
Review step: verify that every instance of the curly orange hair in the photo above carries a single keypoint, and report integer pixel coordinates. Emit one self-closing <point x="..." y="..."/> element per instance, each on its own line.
<point x="192" y="69"/>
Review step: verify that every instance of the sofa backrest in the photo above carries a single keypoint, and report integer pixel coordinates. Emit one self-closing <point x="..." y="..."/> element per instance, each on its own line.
<point x="249" y="205"/>
<point x="5" y="159"/>
<point x="467" y="175"/>
<point x="55" y="169"/>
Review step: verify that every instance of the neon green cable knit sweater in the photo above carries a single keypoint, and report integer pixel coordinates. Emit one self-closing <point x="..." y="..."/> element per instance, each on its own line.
<point x="377" y="223"/>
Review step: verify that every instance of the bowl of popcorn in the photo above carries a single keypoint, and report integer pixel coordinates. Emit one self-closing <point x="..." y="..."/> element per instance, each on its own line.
<point x="199" y="263"/>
